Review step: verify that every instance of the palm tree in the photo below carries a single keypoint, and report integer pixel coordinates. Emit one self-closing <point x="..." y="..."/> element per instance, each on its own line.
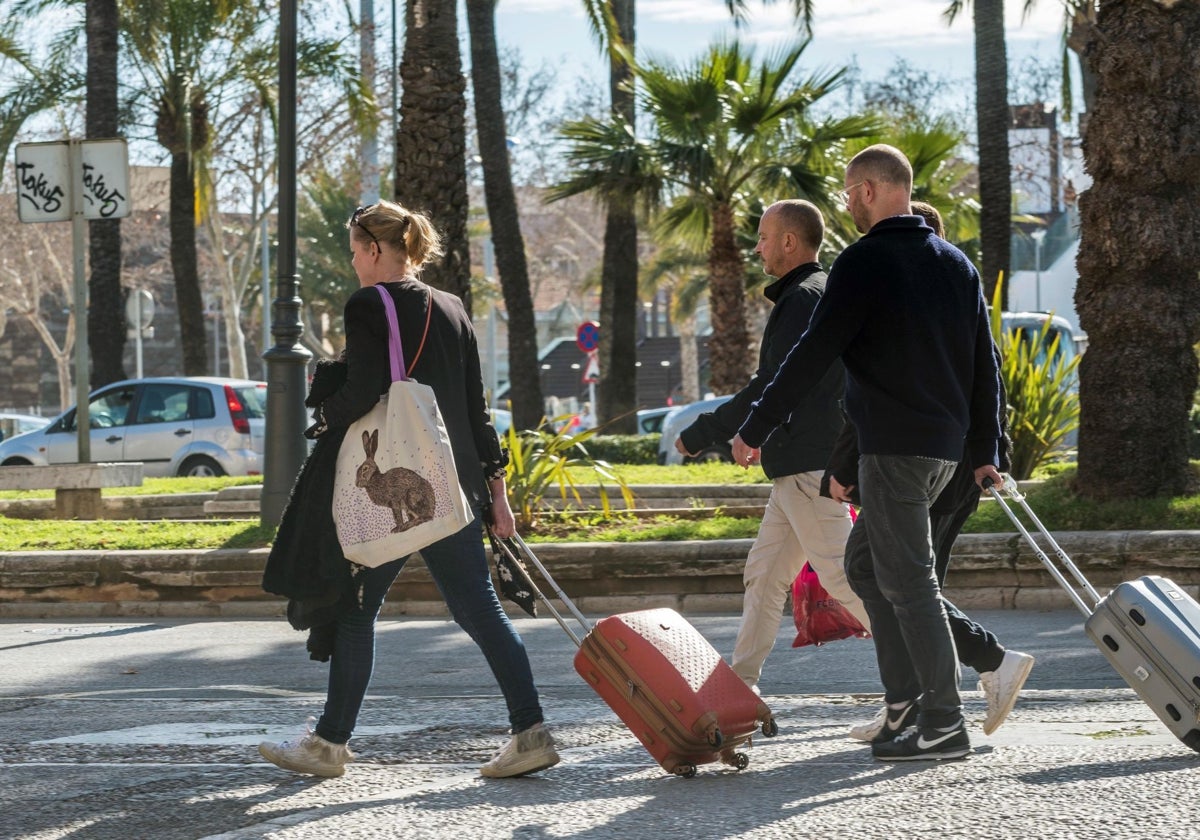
<point x="1138" y="295"/>
<point x="724" y="130"/>
<point x="526" y="388"/>
<point x="106" y="314"/>
<point x="431" y="163"/>
<point x="992" y="123"/>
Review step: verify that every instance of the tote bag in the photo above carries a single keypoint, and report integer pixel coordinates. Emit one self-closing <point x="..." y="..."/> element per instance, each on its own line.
<point x="396" y="490"/>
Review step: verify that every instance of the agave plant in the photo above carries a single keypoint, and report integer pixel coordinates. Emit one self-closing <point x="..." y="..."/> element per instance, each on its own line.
<point x="1043" y="401"/>
<point x="541" y="459"/>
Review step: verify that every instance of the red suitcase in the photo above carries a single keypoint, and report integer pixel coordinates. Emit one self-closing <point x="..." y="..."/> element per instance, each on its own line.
<point x="663" y="679"/>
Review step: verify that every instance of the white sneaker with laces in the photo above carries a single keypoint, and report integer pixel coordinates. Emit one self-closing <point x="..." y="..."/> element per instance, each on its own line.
<point x="527" y="752"/>
<point x="1001" y="687"/>
<point x="309" y="754"/>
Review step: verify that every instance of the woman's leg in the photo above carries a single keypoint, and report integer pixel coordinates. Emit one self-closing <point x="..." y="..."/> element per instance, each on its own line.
<point x="459" y="567"/>
<point x="354" y="654"/>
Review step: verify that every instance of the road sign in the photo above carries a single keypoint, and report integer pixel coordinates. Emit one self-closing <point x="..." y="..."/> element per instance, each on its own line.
<point x="44" y="180"/>
<point x="591" y="374"/>
<point x="588" y="336"/>
<point x="139" y="308"/>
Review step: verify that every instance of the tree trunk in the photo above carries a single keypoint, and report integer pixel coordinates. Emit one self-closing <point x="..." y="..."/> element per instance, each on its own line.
<point x="729" y="345"/>
<point x="188" y="300"/>
<point x="1080" y="27"/>
<point x="1138" y="296"/>
<point x="689" y="360"/>
<point x="992" y="123"/>
<point x="525" y="385"/>
<point x="431" y="162"/>
<point x="106" y="304"/>
<point x="617" y="389"/>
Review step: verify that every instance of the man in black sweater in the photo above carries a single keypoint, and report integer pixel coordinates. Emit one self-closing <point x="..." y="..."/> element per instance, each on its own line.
<point x="905" y="312"/>
<point x="799" y="524"/>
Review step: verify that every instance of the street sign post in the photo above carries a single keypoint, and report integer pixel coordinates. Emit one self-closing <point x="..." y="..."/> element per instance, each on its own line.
<point x="74" y="180"/>
<point x="587" y="338"/>
<point x="139" y="312"/>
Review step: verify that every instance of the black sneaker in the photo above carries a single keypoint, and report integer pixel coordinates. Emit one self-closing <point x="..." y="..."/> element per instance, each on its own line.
<point x="896" y="721"/>
<point x="920" y="744"/>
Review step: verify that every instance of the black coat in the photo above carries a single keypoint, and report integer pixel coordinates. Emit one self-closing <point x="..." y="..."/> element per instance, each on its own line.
<point x="803" y="442"/>
<point x="306" y="563"/>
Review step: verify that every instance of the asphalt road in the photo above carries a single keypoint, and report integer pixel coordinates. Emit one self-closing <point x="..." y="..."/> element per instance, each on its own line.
<point x="146" y="729"/>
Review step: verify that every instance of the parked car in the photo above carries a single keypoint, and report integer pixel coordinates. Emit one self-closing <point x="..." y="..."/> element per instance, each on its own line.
<point x="650" y="420"/>
<point x="678" y="419"/>
<point x="12" y="424"/>
<point x="197" y="426"/>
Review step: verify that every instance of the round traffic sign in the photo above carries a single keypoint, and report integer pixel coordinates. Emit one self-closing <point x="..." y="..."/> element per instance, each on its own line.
<point x="588" y="336"/>
<point x="139" y="308"/>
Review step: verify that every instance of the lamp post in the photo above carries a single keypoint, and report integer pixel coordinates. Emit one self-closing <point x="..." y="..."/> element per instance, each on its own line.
<point x="287" y="362"/>
<point x="1038" y="237"/>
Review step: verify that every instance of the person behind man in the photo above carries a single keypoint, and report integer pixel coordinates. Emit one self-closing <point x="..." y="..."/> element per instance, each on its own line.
<point x="799" y="524"/>
<point x="904" y="310"/>
<point x="1002" y="672"/>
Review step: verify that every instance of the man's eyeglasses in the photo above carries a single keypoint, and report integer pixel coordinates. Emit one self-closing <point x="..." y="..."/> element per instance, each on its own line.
<point x="844" y="195"/>
<point x="355" y="222"/>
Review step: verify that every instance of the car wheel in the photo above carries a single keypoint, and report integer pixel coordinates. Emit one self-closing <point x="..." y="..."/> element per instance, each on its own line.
<point x="17" y="462"/>
<point x="200" y="466"/>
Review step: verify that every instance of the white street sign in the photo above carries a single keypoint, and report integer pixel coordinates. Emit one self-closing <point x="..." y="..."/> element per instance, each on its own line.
<point x="44" y="182"/>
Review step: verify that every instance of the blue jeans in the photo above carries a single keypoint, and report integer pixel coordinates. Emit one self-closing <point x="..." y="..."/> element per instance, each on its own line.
<point x="890" y="566"/>
<point x="458" y="565"/>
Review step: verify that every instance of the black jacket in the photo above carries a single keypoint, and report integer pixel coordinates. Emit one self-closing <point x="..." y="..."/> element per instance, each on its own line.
<point x="904" y="311"/>
<point x="803" y="442"/>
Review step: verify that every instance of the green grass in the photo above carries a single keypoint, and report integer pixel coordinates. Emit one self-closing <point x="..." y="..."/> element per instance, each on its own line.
<point x="151" y="487"/>
<point x="125" y="535"/>
<point x="709" y="473"/>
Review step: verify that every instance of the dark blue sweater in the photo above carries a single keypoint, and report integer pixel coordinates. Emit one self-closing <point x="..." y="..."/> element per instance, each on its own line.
<point x="904" y="310"/>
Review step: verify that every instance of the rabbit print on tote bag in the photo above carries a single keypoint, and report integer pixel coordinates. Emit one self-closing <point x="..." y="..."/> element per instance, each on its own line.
<point x="396" y="489"/>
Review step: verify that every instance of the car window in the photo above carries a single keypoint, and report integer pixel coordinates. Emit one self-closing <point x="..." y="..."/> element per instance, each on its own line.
<point x="254" y="400"/>
<point x="106" y="410"/>
<point x="163" y="402"/>
<point x="201" y="405"/>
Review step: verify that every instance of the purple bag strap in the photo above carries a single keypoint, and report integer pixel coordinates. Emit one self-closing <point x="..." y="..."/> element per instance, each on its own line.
<point x="395" y="351"/>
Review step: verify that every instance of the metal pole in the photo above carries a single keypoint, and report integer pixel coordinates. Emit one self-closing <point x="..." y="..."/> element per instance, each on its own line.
<point x="83" y="425"/>
<point x="137" y="331"/>
<point x="287" y="361"/>
<point x="1037" y="273"/>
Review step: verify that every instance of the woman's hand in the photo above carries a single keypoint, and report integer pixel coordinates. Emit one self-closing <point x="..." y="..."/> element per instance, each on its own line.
<point x="503" y="524"/>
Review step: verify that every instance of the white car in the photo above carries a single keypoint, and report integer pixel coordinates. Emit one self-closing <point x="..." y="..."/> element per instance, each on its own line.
<point x="680" y="418"/>
<point x="13" y="424"/>
<point x="196" y="426"/>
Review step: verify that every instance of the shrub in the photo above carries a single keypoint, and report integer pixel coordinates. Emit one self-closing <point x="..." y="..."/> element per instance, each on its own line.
<point x="625" y="449"/>
<point x="539" y="459"/>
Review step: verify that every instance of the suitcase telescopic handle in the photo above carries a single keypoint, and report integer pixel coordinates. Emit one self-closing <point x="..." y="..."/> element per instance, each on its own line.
<point x="513" y="546"/>
<point x="1010" y="487"/>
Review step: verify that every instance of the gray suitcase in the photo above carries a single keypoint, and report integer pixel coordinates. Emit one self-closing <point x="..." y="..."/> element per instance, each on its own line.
<point x="1149" y="629"/>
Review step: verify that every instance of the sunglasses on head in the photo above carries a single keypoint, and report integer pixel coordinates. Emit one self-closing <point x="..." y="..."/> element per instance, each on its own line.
<point x="355" y="221"/>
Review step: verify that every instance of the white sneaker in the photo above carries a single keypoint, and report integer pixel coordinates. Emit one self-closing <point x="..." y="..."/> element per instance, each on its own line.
<point x="309" y="754"/>
<point x="527" y="752"/>
<point x="867" y="731"/>
<point x="1001" y="687"/>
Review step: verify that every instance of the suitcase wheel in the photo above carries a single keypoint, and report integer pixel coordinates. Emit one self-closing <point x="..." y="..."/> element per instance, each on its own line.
<point x="687" y="771"/>
<point x="741" y="761"/>
<point x="770" y="728"/>
<point x="715" y="738"/>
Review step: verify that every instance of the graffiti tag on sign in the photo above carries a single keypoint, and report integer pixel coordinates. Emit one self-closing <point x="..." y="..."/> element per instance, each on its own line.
<point x="47" y="174"/>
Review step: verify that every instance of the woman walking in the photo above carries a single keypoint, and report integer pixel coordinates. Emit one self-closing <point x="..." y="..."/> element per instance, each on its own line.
<point x="388" y="246"/>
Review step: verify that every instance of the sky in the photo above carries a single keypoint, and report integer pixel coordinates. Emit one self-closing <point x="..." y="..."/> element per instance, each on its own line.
<point x="873" y="32"/>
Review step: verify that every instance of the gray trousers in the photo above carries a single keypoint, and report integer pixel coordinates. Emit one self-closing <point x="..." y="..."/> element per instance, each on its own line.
<point x="890" y="566"/>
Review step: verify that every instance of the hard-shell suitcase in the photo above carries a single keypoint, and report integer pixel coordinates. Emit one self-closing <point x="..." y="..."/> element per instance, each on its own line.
<point x="1149" y="630"/>
<point x="662" y="678"/>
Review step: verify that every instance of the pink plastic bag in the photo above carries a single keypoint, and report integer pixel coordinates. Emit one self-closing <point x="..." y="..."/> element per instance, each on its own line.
<point x="819" y="617"/>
